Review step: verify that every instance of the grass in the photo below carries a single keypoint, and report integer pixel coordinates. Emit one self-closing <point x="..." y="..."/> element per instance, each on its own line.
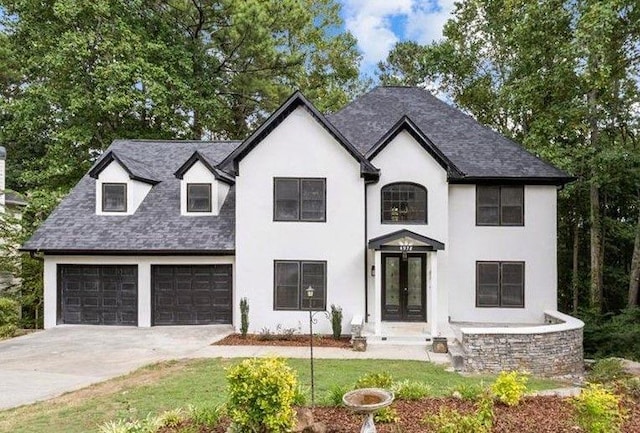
<point x="169" y="385"/>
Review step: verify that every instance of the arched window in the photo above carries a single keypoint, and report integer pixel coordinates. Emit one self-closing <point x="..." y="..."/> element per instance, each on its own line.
<point x="404" y="203"/>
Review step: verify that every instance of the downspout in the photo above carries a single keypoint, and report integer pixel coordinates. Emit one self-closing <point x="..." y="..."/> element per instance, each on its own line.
<point x="366" y="252"/>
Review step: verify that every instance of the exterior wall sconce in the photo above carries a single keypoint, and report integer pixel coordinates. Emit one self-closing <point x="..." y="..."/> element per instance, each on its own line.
<point x="373" y="270"/>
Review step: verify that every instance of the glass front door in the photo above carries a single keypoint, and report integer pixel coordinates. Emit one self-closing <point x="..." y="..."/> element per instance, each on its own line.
<point x="403" y="287"/>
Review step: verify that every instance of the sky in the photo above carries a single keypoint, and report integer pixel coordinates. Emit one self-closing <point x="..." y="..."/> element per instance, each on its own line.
<point x="380" y="24"/>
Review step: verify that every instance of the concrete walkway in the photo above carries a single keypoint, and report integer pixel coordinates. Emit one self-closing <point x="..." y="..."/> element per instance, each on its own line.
<point x="46" y="364"/>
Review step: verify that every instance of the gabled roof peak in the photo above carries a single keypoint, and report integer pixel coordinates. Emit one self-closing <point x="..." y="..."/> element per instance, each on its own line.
<point x="135" y="169"/>
<point x="297" y="99"/>
<point x="199" y="157"/>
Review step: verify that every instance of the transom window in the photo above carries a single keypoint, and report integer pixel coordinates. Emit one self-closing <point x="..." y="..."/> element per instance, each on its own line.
<point x="499" y="205"/>
<point x="500" y="284"/>
<point x="292" y="278"/>
<point x="404" y="203"/>
<point x="299" y="199"/>
<point x="114" y="197"/>
<point x="198" y="197"/>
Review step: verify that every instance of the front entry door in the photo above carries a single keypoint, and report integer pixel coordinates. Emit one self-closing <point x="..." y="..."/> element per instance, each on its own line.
<point x="403" y="287"/>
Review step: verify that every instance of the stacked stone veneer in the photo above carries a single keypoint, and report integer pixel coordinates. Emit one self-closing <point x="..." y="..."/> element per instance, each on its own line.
<point x="553" y="349"/>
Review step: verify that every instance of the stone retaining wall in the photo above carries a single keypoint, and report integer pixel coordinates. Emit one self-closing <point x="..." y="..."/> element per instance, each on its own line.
<point x="553" y="349"/>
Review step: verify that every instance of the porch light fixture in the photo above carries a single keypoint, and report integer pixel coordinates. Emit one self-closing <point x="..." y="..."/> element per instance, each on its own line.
<point x="405" y="246"/>
<point x="373" y="270"/>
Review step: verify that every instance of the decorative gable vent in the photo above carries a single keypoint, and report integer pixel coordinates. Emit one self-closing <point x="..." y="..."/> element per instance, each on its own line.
<point x="203" y="187"/>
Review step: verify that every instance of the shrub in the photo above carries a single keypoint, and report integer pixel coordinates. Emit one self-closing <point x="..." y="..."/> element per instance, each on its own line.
<point x="631" y="387"/>
<point x="598" y="410"/>
<point x="469" y="391"/>
<point x="334" y="396"/>
<point x="612" y="335"/>
<point x="451" y="421"/>
<point x="171" y="418"/>
<point x="300" y="397"/>
<point x="509" y="387"/>
<point x="149" y="425"/>
<point x="244" y="317"/>
<point x="9" y="317"/>
<point x="336" y="321"/>
<point x="265" y="334"/>
<point x="261" y="395"/>
<point x="386" y="415"/>
<point x="375" y="380"/>
<point x="206" y="416"/>
<point x="606" y="371"/>
<point x="411" y="390"/>
<point x="284" y="334"/>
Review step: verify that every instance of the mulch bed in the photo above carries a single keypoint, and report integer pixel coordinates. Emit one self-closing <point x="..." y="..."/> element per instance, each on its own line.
<point x="533" y="415"/>
<point x="276" y="340"/>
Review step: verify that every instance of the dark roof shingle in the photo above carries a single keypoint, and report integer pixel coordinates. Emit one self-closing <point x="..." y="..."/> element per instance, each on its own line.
<point x="475" y="149"/>
<point x="157" y="225"/>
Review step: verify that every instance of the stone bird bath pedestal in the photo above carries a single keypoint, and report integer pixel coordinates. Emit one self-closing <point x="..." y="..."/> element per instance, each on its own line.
<point x="367" y="401"/>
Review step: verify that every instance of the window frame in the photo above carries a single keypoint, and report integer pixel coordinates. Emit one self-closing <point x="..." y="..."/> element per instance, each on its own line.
<point x="126" y="204"/>
<point x="299" y="218"/>
<point x="406" y="222"/>
<point x="500" y="223"/>
<point x="500" y="289"/>
<point x="210" y="208"/>
<point x="301" y="294"/>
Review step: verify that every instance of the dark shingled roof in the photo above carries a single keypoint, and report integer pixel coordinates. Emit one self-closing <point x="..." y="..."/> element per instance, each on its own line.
<point x="157" y="225"/>
<point x="476" y="150"/>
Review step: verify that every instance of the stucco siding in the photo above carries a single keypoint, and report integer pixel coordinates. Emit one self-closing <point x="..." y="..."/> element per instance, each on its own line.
<point x="405" y="160"/>
<point x="534" y="243"/>
<point x="299" y="147"/>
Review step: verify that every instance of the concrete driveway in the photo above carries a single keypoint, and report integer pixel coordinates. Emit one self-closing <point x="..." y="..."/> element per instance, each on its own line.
<point x="45" y="364"/>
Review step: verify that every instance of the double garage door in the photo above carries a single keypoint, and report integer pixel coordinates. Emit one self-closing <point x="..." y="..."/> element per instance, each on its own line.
<point x="180" y="295"/>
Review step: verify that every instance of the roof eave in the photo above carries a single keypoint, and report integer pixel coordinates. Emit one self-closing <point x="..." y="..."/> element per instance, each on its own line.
<point x="512" y="180"/>
<point x="130" y="252"/>
<point x="108" y="159"/>
<point x="197" y="156"/>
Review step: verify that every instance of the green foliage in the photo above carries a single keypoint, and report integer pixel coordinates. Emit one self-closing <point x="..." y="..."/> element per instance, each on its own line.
<point x="451" y="421"/>
<point x="300" y="397"/>
<point x="386" y="415"/>
<point x="149" y="425"/>
<point x="171" y="418"/>
<point x="336" y="321"/>
<point x="206" y="416"/>
<point x="244" y="316"/>
<point x="9" y="317"/>
<point x="335" y="393"/>
<point x="509" y="387"/>
<point x="469" y="391"/>
<point x="375" y="380"/>
<point x="612" y="334"/>
<point x="411" y="390"/>
<point x="631" y="387"/>
<point x="598" y="410"/>
<point x="606" y="371"/>
<point x="261" y="395"/>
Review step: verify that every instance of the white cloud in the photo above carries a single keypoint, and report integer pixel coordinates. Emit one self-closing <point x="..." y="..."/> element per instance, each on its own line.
<point x="372" y="23"/>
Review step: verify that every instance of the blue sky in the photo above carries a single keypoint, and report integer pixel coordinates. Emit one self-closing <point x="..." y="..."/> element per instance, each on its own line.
<point x="380" y="24"/>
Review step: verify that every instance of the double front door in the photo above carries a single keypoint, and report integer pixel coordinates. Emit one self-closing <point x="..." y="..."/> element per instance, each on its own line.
<point x="404" y="287"/>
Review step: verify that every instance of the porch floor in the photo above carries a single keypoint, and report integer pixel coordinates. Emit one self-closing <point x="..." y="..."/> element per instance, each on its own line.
<point x="408" y="333"/>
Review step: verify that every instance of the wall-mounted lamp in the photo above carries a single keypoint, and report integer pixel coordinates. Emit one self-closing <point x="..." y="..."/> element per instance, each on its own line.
<point x="373" y="270"/>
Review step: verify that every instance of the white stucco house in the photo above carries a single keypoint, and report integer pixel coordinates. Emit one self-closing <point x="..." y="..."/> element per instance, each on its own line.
<point x="398" y="208"/>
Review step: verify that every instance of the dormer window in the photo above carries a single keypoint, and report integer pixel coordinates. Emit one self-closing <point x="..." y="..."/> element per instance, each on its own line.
<point x="114" y="197"/>
<point x="198" y="197"/>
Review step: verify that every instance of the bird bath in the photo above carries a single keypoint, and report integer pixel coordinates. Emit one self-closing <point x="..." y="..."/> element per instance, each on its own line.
<point x="367" y="401"/>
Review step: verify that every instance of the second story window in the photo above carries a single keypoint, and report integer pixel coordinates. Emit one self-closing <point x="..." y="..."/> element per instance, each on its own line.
<point x="404" y="203"/>
<point x="198" y="197"/>
<point x="299" y="199"/>
<point x="499" y="205"/>
<point x="114" y="197"/>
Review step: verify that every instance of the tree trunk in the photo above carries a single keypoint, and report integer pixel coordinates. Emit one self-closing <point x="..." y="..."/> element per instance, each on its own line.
<point x="596" y="248"/>
<point x="596" y="290"/>
<point x="575" y="280"/>
<point x="634" y="275"/>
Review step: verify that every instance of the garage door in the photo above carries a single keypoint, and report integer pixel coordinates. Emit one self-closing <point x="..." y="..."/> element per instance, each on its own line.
<point x="98" y="295"/>
<point x="191" y="295"/>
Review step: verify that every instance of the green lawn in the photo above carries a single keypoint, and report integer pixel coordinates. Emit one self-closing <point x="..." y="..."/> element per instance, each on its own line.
<point x="174" y="384"/>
